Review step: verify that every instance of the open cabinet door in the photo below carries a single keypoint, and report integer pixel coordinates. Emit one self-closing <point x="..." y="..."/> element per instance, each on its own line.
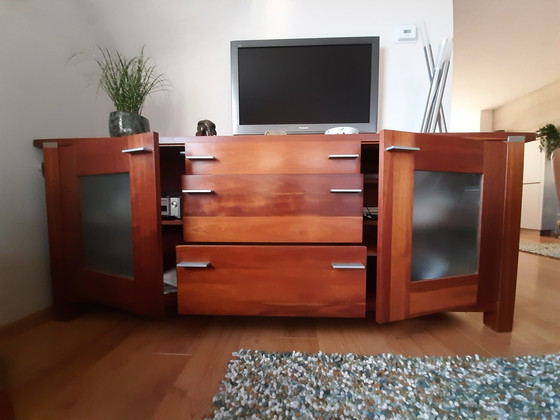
<point x="441" y="218"/>
<point x="104" y="222"/>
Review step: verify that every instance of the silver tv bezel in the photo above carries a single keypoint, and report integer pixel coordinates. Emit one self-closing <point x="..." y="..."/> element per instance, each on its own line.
<point x="244" y="129"/>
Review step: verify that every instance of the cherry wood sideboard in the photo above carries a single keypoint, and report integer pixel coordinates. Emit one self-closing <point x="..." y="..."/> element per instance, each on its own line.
<point x="398" y="223"/>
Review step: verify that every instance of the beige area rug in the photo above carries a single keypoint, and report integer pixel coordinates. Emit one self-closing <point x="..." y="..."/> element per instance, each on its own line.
<point x="546" y="250"/>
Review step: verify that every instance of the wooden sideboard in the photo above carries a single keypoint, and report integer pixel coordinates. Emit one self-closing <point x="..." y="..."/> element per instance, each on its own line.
<point x="298" y="225"/>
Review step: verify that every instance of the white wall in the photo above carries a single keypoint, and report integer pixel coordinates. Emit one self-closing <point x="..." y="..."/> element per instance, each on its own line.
<point x="530" y="112"/>
<point x="42" y="95"/>
<point x="503" y="50"/>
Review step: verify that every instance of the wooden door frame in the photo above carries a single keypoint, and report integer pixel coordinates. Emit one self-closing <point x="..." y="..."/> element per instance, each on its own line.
<point x="495" y="300"/>
<point x="146" y="225"/>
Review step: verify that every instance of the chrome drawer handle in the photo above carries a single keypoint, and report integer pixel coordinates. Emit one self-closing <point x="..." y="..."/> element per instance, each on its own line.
<point x="137" y="150"/>
<point x="346" y="190"/>
<point x="402" y="149"/>
<point x="353" y="156"/>
<point x="348" y="266"/>
<point x="200" y="157"/>
<point x="193" y="264"/>
<point x="197" y="191"/>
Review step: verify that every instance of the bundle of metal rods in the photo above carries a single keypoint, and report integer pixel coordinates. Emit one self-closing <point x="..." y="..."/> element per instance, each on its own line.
<point x="434" y="117"/>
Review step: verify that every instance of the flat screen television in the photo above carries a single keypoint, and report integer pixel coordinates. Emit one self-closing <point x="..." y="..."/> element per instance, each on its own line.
<point x="304" y="85"/>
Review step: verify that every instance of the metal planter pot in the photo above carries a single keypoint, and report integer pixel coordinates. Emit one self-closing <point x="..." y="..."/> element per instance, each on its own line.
<point x="123" y="123"/>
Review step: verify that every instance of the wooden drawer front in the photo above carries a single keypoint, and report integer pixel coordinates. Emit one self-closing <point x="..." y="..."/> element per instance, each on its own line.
<point x="271" y="280"/>
<point x="273" y="229"/>
<point x="272" y="208"/>
<point x="272" y="195"/>
<point x="273" y="157"/>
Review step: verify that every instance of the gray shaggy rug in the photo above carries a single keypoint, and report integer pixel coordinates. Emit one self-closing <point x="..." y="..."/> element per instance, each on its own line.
<point x="294" y="385"/>
<point x="551" y="250"/>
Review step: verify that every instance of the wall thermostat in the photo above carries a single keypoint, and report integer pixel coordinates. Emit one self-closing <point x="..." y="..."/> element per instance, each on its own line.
<point x="406" y="33"/>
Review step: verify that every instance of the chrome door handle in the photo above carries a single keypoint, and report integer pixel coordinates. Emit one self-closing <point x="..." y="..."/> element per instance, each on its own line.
<point x="200" y="157"/>
<point x="402" y="149"/>
<point x="197" y="191"/>
<point x="348" y="266"/>
<point x="137" y="150"/>
<point x="352" y="156"/>
<point x="346" y="190"/>
<point x="193" y="264"/>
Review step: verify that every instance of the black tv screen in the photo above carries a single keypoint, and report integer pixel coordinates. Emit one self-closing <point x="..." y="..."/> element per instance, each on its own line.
<point x="304" y="85"/>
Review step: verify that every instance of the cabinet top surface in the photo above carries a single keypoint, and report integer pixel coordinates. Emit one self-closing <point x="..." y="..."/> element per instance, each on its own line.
<point x="364" y="138"/>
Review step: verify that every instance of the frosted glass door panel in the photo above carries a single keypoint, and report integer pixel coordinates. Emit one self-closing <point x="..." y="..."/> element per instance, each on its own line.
<point x="445" y="224"/>
<point x="107" y="223"/>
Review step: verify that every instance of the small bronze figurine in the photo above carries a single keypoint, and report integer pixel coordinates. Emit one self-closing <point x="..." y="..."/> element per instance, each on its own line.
<point x="206" y="128"/>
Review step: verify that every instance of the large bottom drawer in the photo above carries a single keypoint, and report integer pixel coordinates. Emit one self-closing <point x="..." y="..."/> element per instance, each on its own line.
<point x="270" y="280"/>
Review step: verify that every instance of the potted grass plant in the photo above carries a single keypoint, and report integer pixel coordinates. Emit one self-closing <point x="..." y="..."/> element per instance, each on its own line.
<point x="128" y="82"/>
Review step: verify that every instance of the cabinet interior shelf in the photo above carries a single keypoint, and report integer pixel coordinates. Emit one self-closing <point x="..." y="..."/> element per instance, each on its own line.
<point x="177" y="222"/>
<point x="371" y="251"/>
<point x="370" y="302"/>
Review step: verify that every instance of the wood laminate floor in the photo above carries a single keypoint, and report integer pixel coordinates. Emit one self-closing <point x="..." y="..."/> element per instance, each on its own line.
<point x="109" y="365"/>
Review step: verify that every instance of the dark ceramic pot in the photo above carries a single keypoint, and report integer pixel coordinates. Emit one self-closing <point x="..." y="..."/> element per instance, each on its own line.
<point x="123" y="123"/>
